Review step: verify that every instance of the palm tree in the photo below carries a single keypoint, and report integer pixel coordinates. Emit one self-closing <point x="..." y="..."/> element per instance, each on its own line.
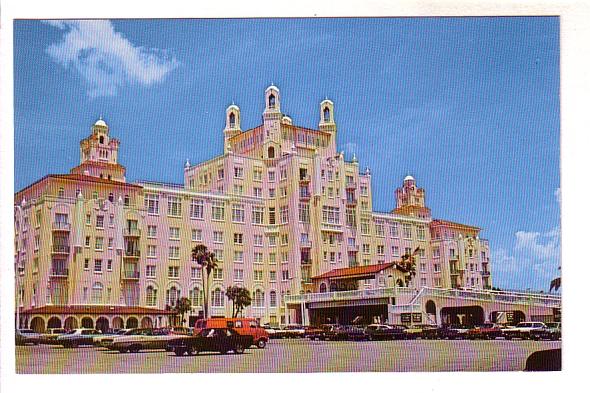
<point x="183" y="305"/>
<point x="407" y="265"/>
<point x="207" y="260"/>
<point x="555" y="283"/>
<point x="240" y="298"/>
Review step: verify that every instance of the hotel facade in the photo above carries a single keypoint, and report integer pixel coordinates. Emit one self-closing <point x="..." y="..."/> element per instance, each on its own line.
<point x="283" y="211"/>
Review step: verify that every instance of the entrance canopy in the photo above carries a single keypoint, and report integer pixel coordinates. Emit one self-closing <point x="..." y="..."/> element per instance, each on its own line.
<point x="357" y="272"/>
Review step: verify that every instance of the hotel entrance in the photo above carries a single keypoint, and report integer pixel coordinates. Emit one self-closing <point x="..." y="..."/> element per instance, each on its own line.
<point x="348" y="315"/>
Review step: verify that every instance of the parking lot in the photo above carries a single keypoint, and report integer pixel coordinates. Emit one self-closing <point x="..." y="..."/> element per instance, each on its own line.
<point x="293" y="355"/>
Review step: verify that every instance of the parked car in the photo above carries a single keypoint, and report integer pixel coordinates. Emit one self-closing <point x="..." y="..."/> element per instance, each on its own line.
<point x="321" y="332"/>
<point x="244" y="326"/>
<point x="376" y="332"/>
<point x="51" y="335"/>
<point x="270" y="330"/>
<point x="26" y="336"/>
<point x="77" y="337"/>
<point x="487" y="331"/>
<point x="453" y="332"/>
<point x="294" y="331"/>
<point x="551" y="332"/>
<point x="220" y="340"/>
<point x="141" y="339"/>
<point x="313" y="332"/>
<point x="524" y="330"/>
<point x="422" y="331"/>
<point x="354" y="333"/>
<point x="100" y="340"/>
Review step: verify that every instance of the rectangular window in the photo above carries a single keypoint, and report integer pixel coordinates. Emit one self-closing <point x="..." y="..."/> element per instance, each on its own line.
<point x="257" y="275"/>
<point x="151" y="251"/>
<point x="258" y="257"/>
<point x="238" y="275"/>
<point x="217" y="210"/>
<point x="423" y="267"/>
<point x="173" y="271"/>
<point x="350" y="218"/>
<point x="272" y="258"/>
<point x="257" y="174"/>
<point x="174" y="206"/>
<point x="395" y="251"/>
<point x="284" y="239"/>
<point x="366" y="248"/>
<point x="174" y="233"/>
<point x="257" y="192"/>
<point x="99" y="222"/>
<point x="284" y="214"/>
<point x="271" y="176"/>
<point x="110" y="265"/>
<point x="330" y="215"/>
<point x="99" y="243"/>
<point x="195" y="273"/>
<point x="420" y="232"/>
<point x="98" y="265"/>
<point x="239" y="256"/>
<point x="437" y="267"/>
<point x="220" y="174"/>
<point x="364" y="190"/>
<point x="217" y="237"/>
<point x="174" y="252"/>
<point x="86" y="264"/>
<point x="393" y="230"/>
<point x="272" y="276"/>
<point x="238" y="172"/>
<point x="285" y="257"/>
<point x="196" y="208"/>
<point x="218" y="274"/>
<point x="436" y="252"/>
<point x="379" y="229"/>
<point x="407" y="228"/>
<point x="304" y="213"/>
<point x="285" y="275"/>
<point x="88" y="219"/>
<point x="258" y="240"/>
<point x="238" y="189"/>
<point x="196" y="235"/>
<point x="151" y="233"/>
<point x="381" y="250"/>
<point x="110" y="243"/>
<point x="257" y="214"/>
<point x="365" y="227"/>
<point x="152" y="203"/>
<point x="237" y="213"/>
<point x="150" y="271"/>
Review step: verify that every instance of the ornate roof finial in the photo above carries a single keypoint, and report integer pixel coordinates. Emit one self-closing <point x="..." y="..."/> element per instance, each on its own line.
<point x="354" y="157"/>
<point x="187" y="164"/>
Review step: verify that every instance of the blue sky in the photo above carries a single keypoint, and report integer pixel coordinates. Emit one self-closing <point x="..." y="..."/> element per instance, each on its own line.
<point x="468" y="106"/>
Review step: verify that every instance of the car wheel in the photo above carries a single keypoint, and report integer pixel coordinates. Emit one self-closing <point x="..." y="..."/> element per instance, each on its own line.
<point x="193" y="351"/>
<point x="134" y="349"/>
<point x="239" y="349"/>
<point x="122" y="350"/>
<point x="179" y="352"/>
<point x="261" y="343"/>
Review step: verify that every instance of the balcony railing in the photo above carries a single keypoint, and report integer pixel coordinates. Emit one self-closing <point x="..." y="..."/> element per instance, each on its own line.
<point x="131" y="275"/>
<point x="454" y="257"/>
<point x="304" y="179"/>
<point x="351" y="201"/>
<point x="61" y="249"/>
<point x="132" y="232"/>
<point x="60" y="226"/>
<point x="305" y="244"/>
<point x="353" y="247"/>
<point x="351" y="186"/>
<point x="304" y="195"/>
<point x="352" y="295"/>
<point x="306" y="262"/>
<point x="497" y="296"/>
<point x="132" y="253"/>
<point x="485" y="273"/>
<point x="331" y="227"/>
<point x="59" y="272"/>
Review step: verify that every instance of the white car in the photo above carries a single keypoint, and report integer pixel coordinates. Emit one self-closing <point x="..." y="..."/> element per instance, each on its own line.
<point x="140" y="339"/>
<point x="524" y="330"/>
<point x="98" y="340"/>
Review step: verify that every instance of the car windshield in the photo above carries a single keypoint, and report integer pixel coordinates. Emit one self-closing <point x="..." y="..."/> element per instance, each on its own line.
<point x="553" y="324"/>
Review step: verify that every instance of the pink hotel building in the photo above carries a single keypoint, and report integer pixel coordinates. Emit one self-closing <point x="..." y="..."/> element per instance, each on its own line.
<point x="282" y="209"/>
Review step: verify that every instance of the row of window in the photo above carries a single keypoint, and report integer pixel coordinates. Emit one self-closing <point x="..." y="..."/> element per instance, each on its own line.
<point x="217" y="297"/>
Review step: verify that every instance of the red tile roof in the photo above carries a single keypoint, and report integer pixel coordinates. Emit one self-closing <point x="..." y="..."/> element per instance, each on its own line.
<point x="95" y="309"/>
<point x="84" y="178"/>
<point x="354" y="271"/>
<point x="437" y="222"/>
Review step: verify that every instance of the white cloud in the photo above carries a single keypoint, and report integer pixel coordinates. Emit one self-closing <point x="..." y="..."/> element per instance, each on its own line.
<point x="105" y="59"/>
<point x="541" y="246"/>
<point x="557" y="194"/>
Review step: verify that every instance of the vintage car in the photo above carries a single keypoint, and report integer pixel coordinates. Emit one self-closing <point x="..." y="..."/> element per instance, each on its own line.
<point x="376" y="332"/>
<point x="77" y="337"/>
<point x="141" y="339"/>
<point x="51" y="335"/>
<point x="524" y="330"/>
<point x="486" y="331"/>
<point x="244" y="326"/>
<point x="320" y="332"/>
<point x="551" y="332"/>
<point x="26" y="336"/>
<point x="422" y="331"/>
<point x="220" y="340"/>
<point x="99" y="340"/>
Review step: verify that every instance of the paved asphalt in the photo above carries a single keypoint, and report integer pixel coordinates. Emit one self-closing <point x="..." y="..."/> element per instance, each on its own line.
<point x="292" y="355"/>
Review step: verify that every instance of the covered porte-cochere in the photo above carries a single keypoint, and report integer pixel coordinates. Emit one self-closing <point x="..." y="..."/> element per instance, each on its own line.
<point x="101" y="317"/>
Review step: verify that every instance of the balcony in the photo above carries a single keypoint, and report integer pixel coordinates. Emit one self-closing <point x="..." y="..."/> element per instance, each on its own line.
<point x="304" y="179"/>
<point x="352" y="295"/>
<point x="59" y="273"/>
<point x="131" y="275"/>
<point x="60" y="249"/>
<point x="351" y="202"/>
<point x="327" y="227"/>
<point x="132" y="254"/>
<point x="305" y="243"/>
<point x="131" y="232"/>
<point x="351" y="186"/>
<point x="305" y="196"/>
<point x="454" y="257"/>
<point x="306" y="262"/>
<point x="485" y="273"/>
<point x="271" y="229"/>
<point x="60" y="226"/>
<point x="353" y="247"/>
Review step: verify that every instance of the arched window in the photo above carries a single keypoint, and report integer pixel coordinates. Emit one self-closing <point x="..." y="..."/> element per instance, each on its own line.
<point x="333" y="287"/>
<point x="323" y="287"/>
<point x="232" y="120"/>
<point x="258" y="299"/>
<point x="326" y="114"/>
<point x="271" y="101"/>
<point x="111" y="196"/>
<point x="97" y="293"/>
<point x="150" y="296"/>
<point x="172" y="296"/>
<point x="101" y="139"/>
<point x="196" y="297"/>
<point x="273" y="298"/>
<point x="217" y="299"/>
<point x="271" y="152"/>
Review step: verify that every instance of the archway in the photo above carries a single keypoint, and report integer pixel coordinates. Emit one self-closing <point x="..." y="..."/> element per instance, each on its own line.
<point x="70" y="323"/>
<point x="102" y="324"/>
<point x="465" y="316"/>
<point x="87" y="323"/>
<point x="118" y="323"/>
<point x="38" y="324"/>
<point x="131" y="323"/>
<point x="333" y="287"/>
<point x="54" y="323"/>
<point x="146" y="322"/>
<point x="431" y="310"/>
<point x="271" y="152"/>
<point x="323" y="287"/>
